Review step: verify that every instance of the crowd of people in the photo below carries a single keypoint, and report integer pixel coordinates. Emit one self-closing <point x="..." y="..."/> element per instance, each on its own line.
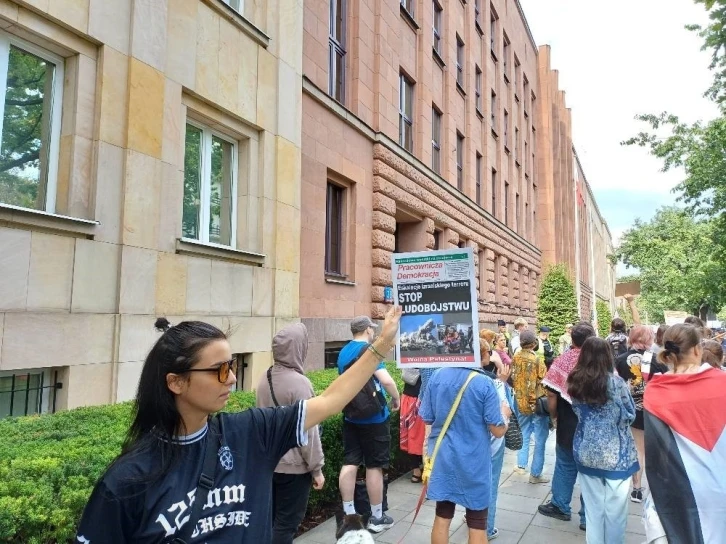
<point x="634" y="403"/>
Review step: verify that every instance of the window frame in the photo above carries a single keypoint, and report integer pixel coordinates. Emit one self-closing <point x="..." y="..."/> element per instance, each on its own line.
<point x="47" y="390"/>
<point x="406" y="8"/>
<point x="336" y="45"/>
<point x="477" y="193"/>
<point x="240" y="9"/>
<point x="436" y="115"/>
<point x="493" y="113"/>
<point x="493" y="33"/>
<point x="477" y="89"/>
<point x="460" y="60"/>
<point x="329" y="269"/>
<point x="50" y="184"/>
<point x="506" y="203"/>
<point x="403" y="117"/>
<point x="506" y="43"/>
<point x="205" y="188"/>
<point x="436" y="25"/>
<point x="506" y="130"/>
<point x="477" y="16"/>
<point x="459" y="160"/>
<point x="494" y="192"/>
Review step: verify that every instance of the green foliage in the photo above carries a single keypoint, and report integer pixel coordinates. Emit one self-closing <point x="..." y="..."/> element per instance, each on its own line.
<point x="49" y="464"/>
<point x="604" y="317"/>
<point x="557" y="301"/>
<point x="679" y="269"/>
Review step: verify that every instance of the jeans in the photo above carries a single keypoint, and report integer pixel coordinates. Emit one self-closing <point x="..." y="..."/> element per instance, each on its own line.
<point x="497" y="464"/>
<point x="563" y="482"/>
<point x="540" y="427"/>
<point x="607" y="508"/>
<point x="290" y="494"/>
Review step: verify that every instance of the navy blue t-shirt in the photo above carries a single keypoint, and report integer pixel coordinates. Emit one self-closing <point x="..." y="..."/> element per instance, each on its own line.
<point x="347" y="355"/>
<point x="125" y="508"/>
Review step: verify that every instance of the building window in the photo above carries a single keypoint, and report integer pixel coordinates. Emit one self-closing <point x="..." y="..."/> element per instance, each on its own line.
<point x="460" y="161"/>
<point x="506" y="203"/>
<point x="493" y="118"/>
<point x="526" y="157"/>
<point x="332" y="350"/>
<point x="30" y="124"/>
<point x="493" y="32"/>
<point x="210" y="186"/>
<point x="437" y="27"/>
<point x="494" y="192"/>
<point x="477" y="14"/>
<point x="28" y="394"/>
<point x="477" y="89"/>
<point x="516" y="145"/>
<point x="516" y="212"/>
<point x="517" y="72"/>
<point x="237" y="5"/>
<point x="408" y="6"/>
<point x="336" y="60"/>
<point x="405" y="111"/>
<point x="437" y="239"/>
<point x="478" y="178"/>
<point x="506" y="130"/>
<point x="436" y="140"/>
<point x="505" y="57"/>
<point x="459" y="62"/>
<point x="334" y="229"/>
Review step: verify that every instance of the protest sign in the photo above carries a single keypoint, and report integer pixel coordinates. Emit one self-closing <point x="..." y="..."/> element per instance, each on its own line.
<point x="439" y="326"/>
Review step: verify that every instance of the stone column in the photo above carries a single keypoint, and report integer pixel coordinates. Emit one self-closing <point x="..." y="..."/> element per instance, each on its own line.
<point x="491" y="283"/>
<point x="383" y="243"/>
<point x="514" y="299"/>
<point x="524" y="276"/>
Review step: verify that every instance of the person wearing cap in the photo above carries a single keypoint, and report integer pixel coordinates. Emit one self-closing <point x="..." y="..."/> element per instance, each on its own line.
<point x="565" y="341"/>
<point x="367" y="442"/>
<point x="520" y="324"/>
<point x="503" y="330"/>
<point x="545" y="349"/>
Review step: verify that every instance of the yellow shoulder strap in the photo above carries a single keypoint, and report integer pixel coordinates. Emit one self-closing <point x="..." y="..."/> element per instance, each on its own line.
<point x="429" y="464"/>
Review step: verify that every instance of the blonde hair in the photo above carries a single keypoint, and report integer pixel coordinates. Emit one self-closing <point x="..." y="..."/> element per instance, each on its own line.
<point x="520" y="322"/>
<point x="486" y="334"/>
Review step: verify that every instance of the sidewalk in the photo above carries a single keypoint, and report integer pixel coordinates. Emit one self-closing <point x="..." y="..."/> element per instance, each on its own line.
<point x="517" y="518"/>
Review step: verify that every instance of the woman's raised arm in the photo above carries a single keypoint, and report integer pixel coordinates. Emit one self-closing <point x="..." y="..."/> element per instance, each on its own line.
<point x="347" y="385"/>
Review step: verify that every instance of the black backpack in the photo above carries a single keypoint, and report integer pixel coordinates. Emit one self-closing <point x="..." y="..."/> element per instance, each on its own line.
<point x="369" y="401"/>
<point x="618" y="344"/>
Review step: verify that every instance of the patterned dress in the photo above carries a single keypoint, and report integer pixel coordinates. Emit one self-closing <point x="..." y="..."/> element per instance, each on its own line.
<point x="528" y="370"/>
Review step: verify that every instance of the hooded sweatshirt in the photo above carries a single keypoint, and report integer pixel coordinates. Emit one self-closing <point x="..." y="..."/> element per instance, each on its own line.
<point x="289" y="348"/>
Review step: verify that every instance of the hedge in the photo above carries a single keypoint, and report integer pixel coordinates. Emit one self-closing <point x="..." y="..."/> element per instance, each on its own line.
<point x="50" y="463"/>
<point x="604" y="317"/>
<point x="557" y="301"/>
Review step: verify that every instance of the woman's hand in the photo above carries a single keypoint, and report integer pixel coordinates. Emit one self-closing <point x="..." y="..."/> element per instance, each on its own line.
<point x="390" y="325"/>
<point x="504" y="372"/>
<point x="506" y="410"/>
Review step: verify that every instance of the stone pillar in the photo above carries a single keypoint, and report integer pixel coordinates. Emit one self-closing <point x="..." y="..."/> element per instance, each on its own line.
<point x="524" y="277"/>
<point x="533" y="290"/>
<point x="383" y="243"/>
<point x="451" y="239"/>
<point x="503" y="271"/>
<point x="491" y="286"/>
<point x="514" y="299"/>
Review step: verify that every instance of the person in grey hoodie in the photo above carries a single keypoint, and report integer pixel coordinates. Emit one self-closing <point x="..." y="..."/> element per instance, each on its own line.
<point x="283" y="384"/>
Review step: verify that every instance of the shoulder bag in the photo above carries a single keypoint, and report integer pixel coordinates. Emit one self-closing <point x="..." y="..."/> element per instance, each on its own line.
<point x="513" y="439"/>
<point x="272" y="390"/>
<point x="429" y="462"/>
<point x="206" y="481"/>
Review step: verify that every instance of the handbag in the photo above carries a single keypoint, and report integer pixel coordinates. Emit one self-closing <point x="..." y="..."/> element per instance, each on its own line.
<point x="205" y="484"/>
<point x="542" y="407"/>
<point x="429" y="461"/>
<point x="513" y="439"/>
<point x="410" y="375"/>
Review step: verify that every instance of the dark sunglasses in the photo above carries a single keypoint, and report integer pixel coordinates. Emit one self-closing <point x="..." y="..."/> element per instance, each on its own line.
<point x="222" y="370"/>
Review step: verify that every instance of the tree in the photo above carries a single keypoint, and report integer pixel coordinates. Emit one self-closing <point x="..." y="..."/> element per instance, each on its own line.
<point x="557" y="300"/>
<point x="678" y="268"/>
<point x="698" y="148"/>
<point x="604" y="317"/>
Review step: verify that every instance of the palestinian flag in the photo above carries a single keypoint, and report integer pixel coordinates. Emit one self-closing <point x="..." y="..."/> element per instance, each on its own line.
<point x="685" y="454"/>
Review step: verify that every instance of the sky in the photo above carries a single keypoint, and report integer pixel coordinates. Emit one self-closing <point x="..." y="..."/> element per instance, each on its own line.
<point x="617" y="59"/>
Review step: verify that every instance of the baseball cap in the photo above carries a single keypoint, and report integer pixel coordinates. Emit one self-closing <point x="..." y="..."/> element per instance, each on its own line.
<point x="527" y="337"/>
<point x="361" y="323"/>
<point x="545" y="329"/>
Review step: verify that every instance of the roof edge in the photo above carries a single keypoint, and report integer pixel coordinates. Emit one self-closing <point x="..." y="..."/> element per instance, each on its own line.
<point x="526" y="25"/>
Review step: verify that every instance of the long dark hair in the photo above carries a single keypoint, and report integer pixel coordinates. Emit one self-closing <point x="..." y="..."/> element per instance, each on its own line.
<point x="588" y="381"/>
<point x="156" y="418"/>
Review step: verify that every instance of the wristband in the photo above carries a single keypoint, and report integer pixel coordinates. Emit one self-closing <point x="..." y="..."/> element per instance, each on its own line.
<point x="372" y="349"/>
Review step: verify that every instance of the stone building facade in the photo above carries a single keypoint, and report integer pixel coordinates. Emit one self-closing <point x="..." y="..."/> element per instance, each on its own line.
<point x="419" y="132"/>
<point x="162" y="178"/>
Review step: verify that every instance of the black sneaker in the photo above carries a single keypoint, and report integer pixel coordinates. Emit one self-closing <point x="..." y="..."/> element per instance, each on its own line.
<point x="551" y="511"/>
<point x="378" y="525"/>
<point x="583" y="527"/>
<point x="637" y="495"/>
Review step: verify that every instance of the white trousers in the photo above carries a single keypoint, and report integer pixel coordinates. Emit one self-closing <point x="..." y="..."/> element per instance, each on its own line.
<point x="606" y="508"/>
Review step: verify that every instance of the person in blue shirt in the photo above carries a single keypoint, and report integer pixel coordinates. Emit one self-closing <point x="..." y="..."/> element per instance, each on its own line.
<point x="367" y="441"/>
<point x="462" y="470"/>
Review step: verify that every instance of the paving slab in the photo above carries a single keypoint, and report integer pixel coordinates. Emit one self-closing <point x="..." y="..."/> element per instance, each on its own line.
<point x="517" y="518"/>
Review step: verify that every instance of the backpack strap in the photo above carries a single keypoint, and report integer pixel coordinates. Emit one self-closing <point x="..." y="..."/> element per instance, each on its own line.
<point x="206" y="480"/>
<point x="272" y="389"/>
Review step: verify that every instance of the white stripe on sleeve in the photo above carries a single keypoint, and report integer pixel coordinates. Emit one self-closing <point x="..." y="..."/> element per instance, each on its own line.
<point x="302" y="434"/>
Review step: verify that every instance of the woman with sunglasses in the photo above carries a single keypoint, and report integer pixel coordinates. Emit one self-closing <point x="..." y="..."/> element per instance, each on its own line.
<point x="148" y="493"/>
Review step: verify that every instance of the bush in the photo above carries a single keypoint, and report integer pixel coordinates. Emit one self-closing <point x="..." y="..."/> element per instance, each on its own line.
<point x="604" y="317"/>
<point x="557" y="304"/>
<point x="49" y="464"/>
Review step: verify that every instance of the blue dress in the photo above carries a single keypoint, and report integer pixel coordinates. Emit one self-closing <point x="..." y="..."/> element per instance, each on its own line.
<point x="462" y="469"/>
